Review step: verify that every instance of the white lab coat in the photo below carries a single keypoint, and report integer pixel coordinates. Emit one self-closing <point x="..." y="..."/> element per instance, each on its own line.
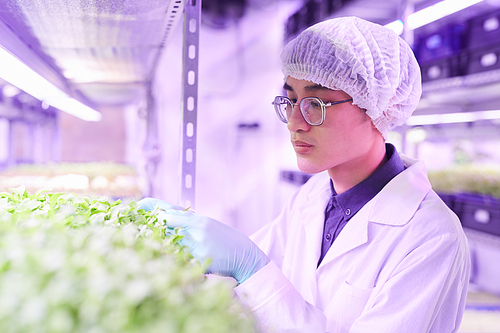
<point x="400" y="265"/>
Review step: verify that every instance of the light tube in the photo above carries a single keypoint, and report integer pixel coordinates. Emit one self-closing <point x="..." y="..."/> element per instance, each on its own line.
<point x="396" y="26"/>
<point x="438" y="11"/>
<point x="18" y="74"/>
<point x="432" y="13"/>
<point x="449" y="118"/>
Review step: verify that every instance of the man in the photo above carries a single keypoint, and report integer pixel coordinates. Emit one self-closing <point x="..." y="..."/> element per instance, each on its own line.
<point x="366" y="246"/>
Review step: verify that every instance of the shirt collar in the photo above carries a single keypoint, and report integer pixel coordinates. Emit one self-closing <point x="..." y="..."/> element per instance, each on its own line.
<point x="357" y="196"/>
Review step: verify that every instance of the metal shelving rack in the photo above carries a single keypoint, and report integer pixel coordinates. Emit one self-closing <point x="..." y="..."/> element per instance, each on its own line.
<point x="192" y="14"/>
<point x="469" y="92"/>
<point x="124" y="40"/>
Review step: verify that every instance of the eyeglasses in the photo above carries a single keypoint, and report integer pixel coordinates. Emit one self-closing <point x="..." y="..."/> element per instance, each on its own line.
<point x="311" y="108"/>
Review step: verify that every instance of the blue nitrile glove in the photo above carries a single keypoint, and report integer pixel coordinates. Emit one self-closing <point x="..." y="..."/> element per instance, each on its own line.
<point x="149" y="204"/>
<point x="231" y="252"/>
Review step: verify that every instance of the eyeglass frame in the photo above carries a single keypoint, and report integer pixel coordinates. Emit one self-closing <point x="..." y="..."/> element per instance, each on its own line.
<point x="321" y="103"/>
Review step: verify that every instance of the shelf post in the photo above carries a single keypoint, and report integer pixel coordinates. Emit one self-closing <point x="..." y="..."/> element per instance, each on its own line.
<point x="192" y="14"/>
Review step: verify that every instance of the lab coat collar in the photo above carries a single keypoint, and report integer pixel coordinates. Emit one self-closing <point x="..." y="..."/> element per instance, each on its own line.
<point x="403" y="194"/>
<point x="318" y="198"/>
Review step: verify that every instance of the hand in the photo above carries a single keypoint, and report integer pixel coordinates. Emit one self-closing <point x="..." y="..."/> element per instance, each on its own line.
<point x="232" y="252"/>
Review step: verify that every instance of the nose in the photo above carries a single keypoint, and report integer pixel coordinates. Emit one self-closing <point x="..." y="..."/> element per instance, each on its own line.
<point x="296" y="121"/>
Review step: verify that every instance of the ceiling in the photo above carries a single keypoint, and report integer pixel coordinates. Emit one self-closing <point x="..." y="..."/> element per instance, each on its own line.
<point x="102" y="52"/>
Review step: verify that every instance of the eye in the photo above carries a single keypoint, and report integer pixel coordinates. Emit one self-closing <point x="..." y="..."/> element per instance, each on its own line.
<point x="315" y="104"/>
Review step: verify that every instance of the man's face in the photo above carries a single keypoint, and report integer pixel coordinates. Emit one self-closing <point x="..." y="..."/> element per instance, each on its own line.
<point x="342" y="142"/>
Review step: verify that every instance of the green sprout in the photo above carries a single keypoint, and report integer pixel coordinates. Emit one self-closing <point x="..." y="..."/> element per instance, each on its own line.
<point x="77" y="264"/>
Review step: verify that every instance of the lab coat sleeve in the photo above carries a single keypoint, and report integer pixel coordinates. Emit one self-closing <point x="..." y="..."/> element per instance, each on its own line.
<point x="276" y="305"/>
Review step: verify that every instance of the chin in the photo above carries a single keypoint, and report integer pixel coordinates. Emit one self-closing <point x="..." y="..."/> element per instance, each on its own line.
<point x="308" y="167"/>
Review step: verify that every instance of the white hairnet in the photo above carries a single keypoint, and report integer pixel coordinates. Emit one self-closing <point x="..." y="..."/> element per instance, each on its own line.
<point x="366" y="60"/>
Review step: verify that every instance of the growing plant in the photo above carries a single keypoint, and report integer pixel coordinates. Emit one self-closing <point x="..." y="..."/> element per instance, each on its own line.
<point x="469" y="178"/>
<point x="77" y="264"/>
<point x="87" y="179"/>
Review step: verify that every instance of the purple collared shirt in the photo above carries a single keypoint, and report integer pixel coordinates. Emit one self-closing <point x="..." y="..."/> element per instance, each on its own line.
<point x="342" y="207"/>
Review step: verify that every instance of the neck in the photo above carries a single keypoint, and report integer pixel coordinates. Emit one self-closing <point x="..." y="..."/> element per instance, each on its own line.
<point x="353" y="172"/>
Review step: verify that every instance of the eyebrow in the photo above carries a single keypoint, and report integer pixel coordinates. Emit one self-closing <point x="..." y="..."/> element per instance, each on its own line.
<point x="312" y="87"/>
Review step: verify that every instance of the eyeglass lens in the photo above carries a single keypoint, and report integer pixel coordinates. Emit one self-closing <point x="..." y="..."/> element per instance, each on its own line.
<point x="310" y="108"/>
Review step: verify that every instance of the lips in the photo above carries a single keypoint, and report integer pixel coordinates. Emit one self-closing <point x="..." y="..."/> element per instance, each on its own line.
<point x="302" y="147"/>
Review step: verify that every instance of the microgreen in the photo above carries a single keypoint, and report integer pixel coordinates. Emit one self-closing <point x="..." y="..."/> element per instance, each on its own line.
<point x="77" y="264"/>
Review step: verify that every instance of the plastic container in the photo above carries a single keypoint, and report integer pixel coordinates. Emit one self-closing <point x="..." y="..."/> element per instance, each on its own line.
<point x="482" y="60"/>
<point x="440" y="69"/>
<point x="446" y="42"/>
<point x="484" y="30"/>
<point x="479" y="212"/>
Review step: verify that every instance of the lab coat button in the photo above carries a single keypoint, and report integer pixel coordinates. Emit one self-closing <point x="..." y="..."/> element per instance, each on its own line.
<point x="347" y="211"/>
<point x="328" y="237"/>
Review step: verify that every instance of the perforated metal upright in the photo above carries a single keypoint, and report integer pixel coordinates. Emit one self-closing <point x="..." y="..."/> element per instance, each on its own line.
<point x="192" y="14"/>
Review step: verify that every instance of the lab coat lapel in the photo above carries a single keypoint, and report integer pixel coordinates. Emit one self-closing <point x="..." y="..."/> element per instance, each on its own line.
<point x="403" y="194"/>
<point x="313" y="219"/>
<point x="354" y="234"/>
